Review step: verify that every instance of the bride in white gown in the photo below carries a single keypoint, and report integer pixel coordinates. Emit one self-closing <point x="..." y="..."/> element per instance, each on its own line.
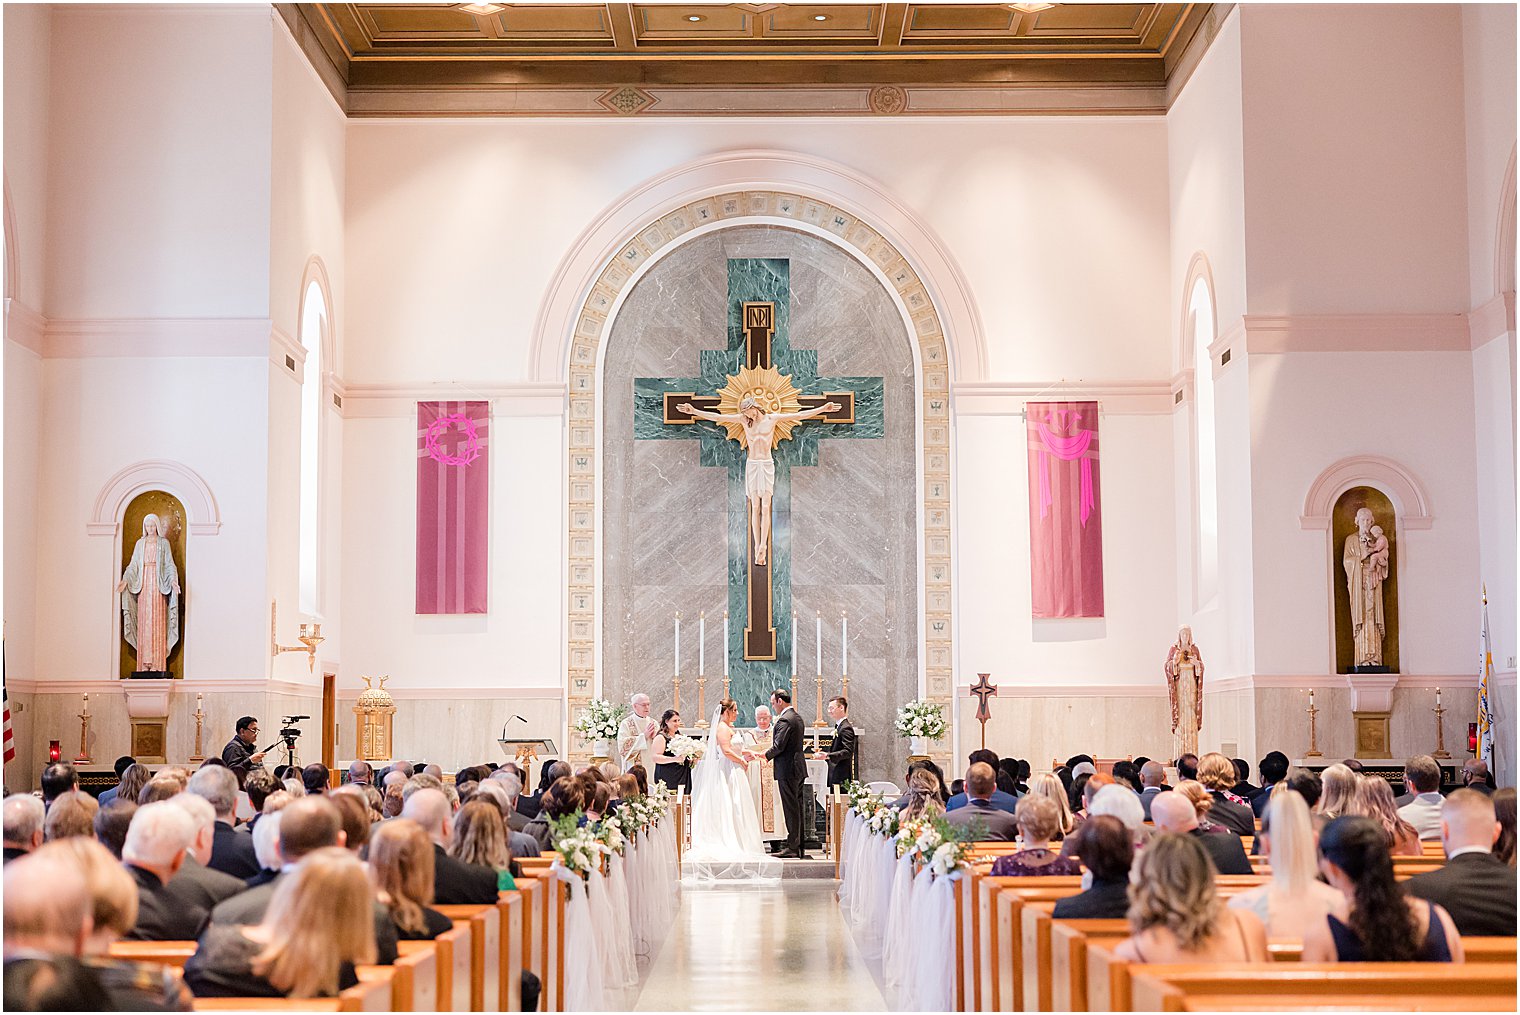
<point x="725" y="830"/>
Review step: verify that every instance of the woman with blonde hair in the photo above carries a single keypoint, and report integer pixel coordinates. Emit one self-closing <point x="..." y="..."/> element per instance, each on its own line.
<point x="1175" y="915"/>
<point x="1295" y="900"/>
<point x="401" y="867"/>
<point x="1203" y="803"/>
<point x="923" y="796"/>
<point x="133" y="986"/>
<point x="480" y="838"/>
<point x="1338" y="793"/>
<point x="1374" y="799"/>
<point x="318" y="927"/>
<point x="132" y="782"/>
<point x="1048" y="786"/>
<point x="1217" y="774"/>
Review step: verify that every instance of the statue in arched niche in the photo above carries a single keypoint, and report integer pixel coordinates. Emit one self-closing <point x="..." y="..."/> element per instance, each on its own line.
<point x="1365" y="559"/>
<point x="149" y="590"/>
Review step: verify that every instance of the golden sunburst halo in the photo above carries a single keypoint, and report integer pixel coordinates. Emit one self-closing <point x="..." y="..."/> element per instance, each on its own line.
<point x="770" y="388"/>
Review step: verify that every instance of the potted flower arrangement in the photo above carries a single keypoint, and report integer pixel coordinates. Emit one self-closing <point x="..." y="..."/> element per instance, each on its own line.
<point x="598" y="723"/>
<point x="921" y="721"/>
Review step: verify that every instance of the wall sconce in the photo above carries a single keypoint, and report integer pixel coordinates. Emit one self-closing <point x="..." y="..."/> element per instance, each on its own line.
<point x="310" y="637"/>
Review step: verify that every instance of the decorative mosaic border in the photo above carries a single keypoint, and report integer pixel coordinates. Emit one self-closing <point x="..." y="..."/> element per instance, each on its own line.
<point x="591" y="325"/>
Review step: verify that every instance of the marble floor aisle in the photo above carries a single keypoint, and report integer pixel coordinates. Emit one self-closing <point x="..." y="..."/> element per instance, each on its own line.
<point x="742" y="949"/>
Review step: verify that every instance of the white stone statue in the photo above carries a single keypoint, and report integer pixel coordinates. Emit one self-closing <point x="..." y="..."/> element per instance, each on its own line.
<point x="149" y="590"/>
<point x="1184" y="686"/>
<point x="760" y="468"/>
<point x="1365" y="559"/>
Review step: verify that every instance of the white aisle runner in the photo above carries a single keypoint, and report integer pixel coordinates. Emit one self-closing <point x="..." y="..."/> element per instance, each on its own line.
<point x="740" y="949"/>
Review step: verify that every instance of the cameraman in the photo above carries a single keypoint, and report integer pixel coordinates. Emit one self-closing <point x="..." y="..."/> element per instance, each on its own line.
<point x="241" y="753"/>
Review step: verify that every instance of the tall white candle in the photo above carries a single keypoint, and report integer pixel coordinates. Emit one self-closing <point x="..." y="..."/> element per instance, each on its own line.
<point x="818" y="643"/>
<point x="794" y="644"/>
<point x="844" y="644"/>
<point x="1438" y="697"/>
<point x="702" y="644"/>
<point x="1311" y="697"/>
<point x="725" y="643"/>
<point x="678" y="643"/>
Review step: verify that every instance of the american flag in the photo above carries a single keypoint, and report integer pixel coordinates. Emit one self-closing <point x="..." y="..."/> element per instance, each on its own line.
<point x="5" y="695"/>
<point x="1485" y="712"/>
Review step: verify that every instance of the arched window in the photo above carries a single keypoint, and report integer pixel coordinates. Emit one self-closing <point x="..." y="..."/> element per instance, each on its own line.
<point x="314" y="324"/>
<point x="1206" y="478"/>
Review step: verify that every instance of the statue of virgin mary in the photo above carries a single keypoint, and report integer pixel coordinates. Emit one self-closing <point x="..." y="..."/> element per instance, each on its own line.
<point x="149" y="590"/>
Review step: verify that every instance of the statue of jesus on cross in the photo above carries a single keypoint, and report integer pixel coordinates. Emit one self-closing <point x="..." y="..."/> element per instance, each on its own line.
<point x="759" y="467"/>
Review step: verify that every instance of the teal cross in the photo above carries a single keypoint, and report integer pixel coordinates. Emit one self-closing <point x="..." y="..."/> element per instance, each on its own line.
<point x="759" y="316"/>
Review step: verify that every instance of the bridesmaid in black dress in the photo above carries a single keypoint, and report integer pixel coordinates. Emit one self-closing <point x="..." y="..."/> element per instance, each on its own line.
<point x="669" y="769"/>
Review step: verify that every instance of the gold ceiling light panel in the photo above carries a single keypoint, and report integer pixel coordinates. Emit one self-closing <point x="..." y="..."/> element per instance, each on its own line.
<point x="482" y="10"/>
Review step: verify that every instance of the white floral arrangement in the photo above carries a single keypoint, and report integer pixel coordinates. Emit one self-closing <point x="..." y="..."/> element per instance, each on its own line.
<point x="609" y="832"/>
<point x="948" y="857"/>
<point x="577" y="845"/>
<point x="934" y="844"/>
<point x="883" y="820"/>
<point x="600" y="719"/>
<point x="917" y="835"/>
<point x="687" y="749"/>
<point x="921" y="719"/>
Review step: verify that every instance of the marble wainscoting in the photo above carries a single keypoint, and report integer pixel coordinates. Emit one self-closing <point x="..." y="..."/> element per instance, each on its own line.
<point x="48" y="714"/>
<point x="456" y="727"/>
<point x="1039" y="724"/>
<point x="851" y="528"/>
<point x="1502" y="701"/>
<point x="1283" y="725"/>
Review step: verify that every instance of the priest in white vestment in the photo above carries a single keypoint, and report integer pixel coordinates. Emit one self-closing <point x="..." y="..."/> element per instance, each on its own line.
<point x="762" y="778"/>
<point x="635" y="735"/>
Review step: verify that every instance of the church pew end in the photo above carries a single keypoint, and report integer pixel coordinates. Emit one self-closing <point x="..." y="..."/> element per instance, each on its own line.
<point x="1157" y="987"/>
<point x="270" y="1004"/>
<point x="165" y="953"/>
<point x="485" y="950"/>
<point x="1338" y="1003"/>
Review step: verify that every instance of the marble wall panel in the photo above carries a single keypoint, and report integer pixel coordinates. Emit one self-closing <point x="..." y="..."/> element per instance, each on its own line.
<point x="1040" y="729"/>
<point x="457" y="731"/>
<point x="852" y="523"/>
<point x="1283" y="725"/>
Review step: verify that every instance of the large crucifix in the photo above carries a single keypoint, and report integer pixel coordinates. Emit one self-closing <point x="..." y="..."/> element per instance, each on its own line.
<point x="790" y="399"/>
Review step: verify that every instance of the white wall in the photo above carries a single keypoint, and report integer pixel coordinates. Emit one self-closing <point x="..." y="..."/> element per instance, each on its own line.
<point x="159" y="175"/>
<point x="28" y="52"/>
<point x="1488" y="76"/>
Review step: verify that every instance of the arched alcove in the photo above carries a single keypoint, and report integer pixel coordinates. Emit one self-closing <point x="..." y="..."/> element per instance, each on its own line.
<point x="170" y="512"/>
<point x="203" y="516"/>
<point x="1401" y="486"/>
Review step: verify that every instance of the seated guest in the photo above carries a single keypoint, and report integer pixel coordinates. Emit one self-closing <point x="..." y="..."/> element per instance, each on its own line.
<point x="1038" y="819"/>
<point x="314" y="778"/>
<point x="160" y="788"/>
<point x="480" y="840"/>
<point x="70" y="815"/>
<point x="1476" y="888"/>
<point x="512" y="783"/>
<point x="47" y="922"/>
<point x="530" y="804"/>
<point x="359" y="774"/>
<point x="131" y="986"/>
<point x="1127" y="774"/>
<point x="123" y="763"/>
<point x="1152" y="784"/>
<point x="1074" y="799"/>
<point x="454" y="882"/>
<point x="353" y="817"/>
<point x="639" y="772"/>
<point x="1422" y="780"/>
<point x="258" y="786"/>
<point x="1218" y="774"/>
<point x="231" y="849"/>
<point x="1119" y="801"/>
<point x="111" y="824"/>
<point x="1337" y="791"/>
<point x="1107" y="849"/>
<point x="1091" y="785"/>
<point x="600" y="798"/>
<point x="499" y="792"/>
<point x="266" y="846"/>
<point x="1175" y="813"/>
<point x="1203" y="803"/>
<point x="1243" y="787"/>
<point x="1187" y="767"/>
<point x="1007" y="777"/>
<point x="401" y="867"/>
<point x="1295" y="899"/>
<point x="1374" y="799"/>
<point x="1175" y="915"/>
<point x="990" y="822"/>
<point x="199" y="885"/>
<point x="1477" y="777"/>
<point x="923" y="796"/>
<point x="1504" y="812"/>
<point x="158" y="842"/>
<point x="394" y="783"/>
<point x="129" y="786"/>
<point x="1385" y="924"/>
<point x="1274" y="769"/>
<point x="57" y="779"/>
<point x="957" y="787"/>
<point x="1002" y="801"/>
<point x="307" y="945"/>
<point x="24" y="818"/>
<point x="1049" y="787"/>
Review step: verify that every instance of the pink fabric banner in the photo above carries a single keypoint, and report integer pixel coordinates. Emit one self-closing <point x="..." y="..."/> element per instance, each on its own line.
<point x="1065" y="518"/>
<point x="453" y="498"/>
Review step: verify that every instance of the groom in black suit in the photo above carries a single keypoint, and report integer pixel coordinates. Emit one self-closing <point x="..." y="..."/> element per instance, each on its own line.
<point x="791" y="769"/>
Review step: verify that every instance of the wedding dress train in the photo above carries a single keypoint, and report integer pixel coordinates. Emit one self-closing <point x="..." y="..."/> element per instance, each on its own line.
<point x="725" y="830"/>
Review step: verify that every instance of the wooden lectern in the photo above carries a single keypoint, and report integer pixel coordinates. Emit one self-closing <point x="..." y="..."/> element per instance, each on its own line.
<point x="525" y="752"/>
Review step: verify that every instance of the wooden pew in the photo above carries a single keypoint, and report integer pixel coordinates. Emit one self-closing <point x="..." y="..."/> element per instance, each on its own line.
<point x="376" y="989"/>
<point x="548" y="944"/>
<point x="1163" y="987"/>
<point x="485" y="951"/>
<point x="455" y="948"/>
<point x="1354" y="1003"/>
<point x="165" y="953"/>
<point x="371" y="994"/>
<point x="1069" y="941"/>
<point x="415" y="985"/>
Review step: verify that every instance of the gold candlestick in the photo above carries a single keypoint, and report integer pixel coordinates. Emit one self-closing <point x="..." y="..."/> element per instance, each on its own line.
<point x="1313" y="751"/>
<point x="725" y="688"/>
<point x="702" y="723"/>
<point x="794" y="688"/>
<point x="845" y="692"/>
<point x="1440" y="751"/>
<point x="84" y="731"/>
<point x="818" y="722"/>
<point x="197" y="757"/>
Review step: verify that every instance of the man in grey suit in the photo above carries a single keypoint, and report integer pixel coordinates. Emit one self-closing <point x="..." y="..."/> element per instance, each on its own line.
<point x="997" y="825"/>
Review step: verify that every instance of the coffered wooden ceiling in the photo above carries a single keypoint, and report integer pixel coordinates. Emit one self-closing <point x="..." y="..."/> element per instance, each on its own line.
<point x="621" y="59"/>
